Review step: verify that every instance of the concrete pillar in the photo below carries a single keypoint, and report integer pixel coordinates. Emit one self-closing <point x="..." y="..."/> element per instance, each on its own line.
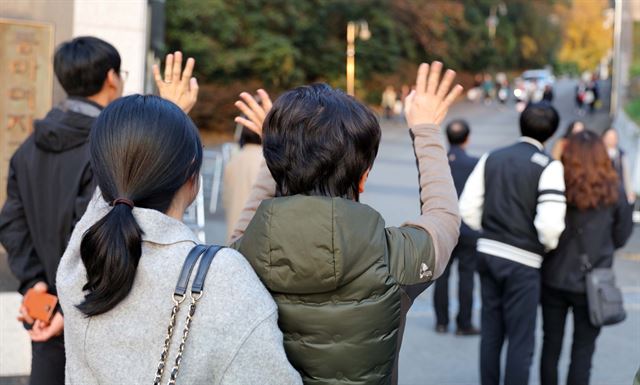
<point x="124" y="25"/>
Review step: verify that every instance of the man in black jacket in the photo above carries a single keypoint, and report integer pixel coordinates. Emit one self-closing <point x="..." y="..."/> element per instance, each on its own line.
<point x="515" y="195"/>
<point x="50" y="184"/>
<point x="461" y="166"/>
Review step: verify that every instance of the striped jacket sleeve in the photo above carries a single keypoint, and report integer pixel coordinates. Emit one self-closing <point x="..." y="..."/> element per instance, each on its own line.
<point x="472" y="197"/>
<point x="552" y="205"/>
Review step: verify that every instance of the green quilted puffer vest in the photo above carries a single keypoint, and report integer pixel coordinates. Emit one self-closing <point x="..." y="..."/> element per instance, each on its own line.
<point x="326" y="263"/>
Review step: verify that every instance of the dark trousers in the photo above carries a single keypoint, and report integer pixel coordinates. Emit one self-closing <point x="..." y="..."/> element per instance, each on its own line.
<point x="510" y="295"/>
<point x="555" y="306"/>
<point x="466" y="256"/>
<point x="47" y="362"/>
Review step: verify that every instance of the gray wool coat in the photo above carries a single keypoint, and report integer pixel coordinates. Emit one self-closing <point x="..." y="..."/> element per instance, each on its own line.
<point x="234" y="337"/>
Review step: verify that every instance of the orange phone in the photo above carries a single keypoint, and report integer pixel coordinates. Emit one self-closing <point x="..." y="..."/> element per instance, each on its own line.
<point x="40" y="305"/>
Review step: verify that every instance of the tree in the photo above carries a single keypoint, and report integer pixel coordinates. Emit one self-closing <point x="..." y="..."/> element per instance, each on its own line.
<point x="586" y="39"/>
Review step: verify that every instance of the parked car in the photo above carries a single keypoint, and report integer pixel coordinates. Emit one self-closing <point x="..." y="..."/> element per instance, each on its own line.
<point x="531" y="84"/>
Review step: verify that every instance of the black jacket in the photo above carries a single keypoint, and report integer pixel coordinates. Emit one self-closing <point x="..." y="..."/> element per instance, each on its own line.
<point x="603" y="231"/>
<point x="462" y="165"/>
<point x="49" y="186"/>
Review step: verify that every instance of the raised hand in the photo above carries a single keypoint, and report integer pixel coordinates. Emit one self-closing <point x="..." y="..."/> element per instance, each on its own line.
<point x="254" y="112"/>
<point x="429" y="102"/>
<point x="177" y="86"/>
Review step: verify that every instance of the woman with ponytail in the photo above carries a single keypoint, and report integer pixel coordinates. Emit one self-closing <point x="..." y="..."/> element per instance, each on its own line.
<point x="118" y="274"/>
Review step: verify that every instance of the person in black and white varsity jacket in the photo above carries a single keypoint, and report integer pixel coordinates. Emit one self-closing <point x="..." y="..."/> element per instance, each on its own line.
<point x="515" y="196"/>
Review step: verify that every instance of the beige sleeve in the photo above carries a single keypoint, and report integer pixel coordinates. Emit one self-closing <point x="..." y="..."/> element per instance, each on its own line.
<point x="263" y="188"/>
<point x="440" y="216"/>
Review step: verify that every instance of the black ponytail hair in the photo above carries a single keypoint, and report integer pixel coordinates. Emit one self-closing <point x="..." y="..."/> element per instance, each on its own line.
<point x="143" y="149"/>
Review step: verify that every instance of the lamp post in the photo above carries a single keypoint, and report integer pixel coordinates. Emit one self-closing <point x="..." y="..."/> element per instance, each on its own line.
<point x="354" y="29"/>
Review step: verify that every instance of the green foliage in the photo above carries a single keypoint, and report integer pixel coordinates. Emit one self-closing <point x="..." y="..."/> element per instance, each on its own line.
<point x="635" y="62"/>
<point x="289" y="42"/>
<point x="279" y="44"/>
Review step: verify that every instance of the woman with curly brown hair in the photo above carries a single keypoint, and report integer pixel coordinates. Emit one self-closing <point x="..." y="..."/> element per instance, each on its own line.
<point x="598" y="221"/>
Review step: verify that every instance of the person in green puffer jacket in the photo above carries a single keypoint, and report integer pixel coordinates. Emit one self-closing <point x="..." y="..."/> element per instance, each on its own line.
<point x="343" y="281"/>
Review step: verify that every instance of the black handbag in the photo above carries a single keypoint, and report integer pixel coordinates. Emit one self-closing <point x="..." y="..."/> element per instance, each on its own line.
<point x="604" y="298"/>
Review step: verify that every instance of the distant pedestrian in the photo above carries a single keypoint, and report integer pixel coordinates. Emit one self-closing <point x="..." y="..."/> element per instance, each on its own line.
<point x="581" y="97"/>
<point x="620" y="162"/>
<point x="502" y="85"/>
<point x="488" y="89"/>
<point x="389" y="98"/>
<point x="592" y="96"/>
<point x="117" y="277"/>
<point x="573" y="128"/>
<point x="598" y="221"/>
<point x="461" y="166"/>
<point x="547" y="94"/>
<point x="240" y="175"/>
<point x="515" y="195"/>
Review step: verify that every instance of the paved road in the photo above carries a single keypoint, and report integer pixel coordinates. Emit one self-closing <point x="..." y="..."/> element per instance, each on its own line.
<point x="426" y="358"/>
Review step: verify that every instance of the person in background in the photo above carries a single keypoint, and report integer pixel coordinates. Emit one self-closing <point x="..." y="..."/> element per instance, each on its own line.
<point x="51" y="182"/>
<point x="488" y="89"/>
<point x="240" y="174"/>
<point x="573" y="128"/>
<point x="593" y="94"/>
<point x="580" y="93"/>
<point x="342" y="280"/>
<point x="388" y="103"/>
<point x="118" y="275"/>
<point x="547" y="94"/>
<point x="461" y="166"/>
<point x="620" y="162"/>
<point x="598" y="221"/>
<point x="515" y="196"/>
<point x="502" y="85"/>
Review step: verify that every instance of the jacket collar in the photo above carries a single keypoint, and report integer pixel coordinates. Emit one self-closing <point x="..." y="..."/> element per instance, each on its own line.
<point x="533" y="142"/>
<point x="82" y="106"/>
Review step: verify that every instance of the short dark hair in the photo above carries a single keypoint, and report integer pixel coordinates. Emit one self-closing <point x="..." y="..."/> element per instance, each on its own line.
<point x="458" y="131"/>
<point x="82" y="64"/>
<point x="319" y="141"/>
<point x="249" y="137"/>
<point x="539" y="121"/>
<point x="144" y="149"/>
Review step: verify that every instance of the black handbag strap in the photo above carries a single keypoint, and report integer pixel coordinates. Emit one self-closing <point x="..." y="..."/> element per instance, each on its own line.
<point x="203" y="268"/>
<point x="207" y="253"/>
<point x="187" y="268"/>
